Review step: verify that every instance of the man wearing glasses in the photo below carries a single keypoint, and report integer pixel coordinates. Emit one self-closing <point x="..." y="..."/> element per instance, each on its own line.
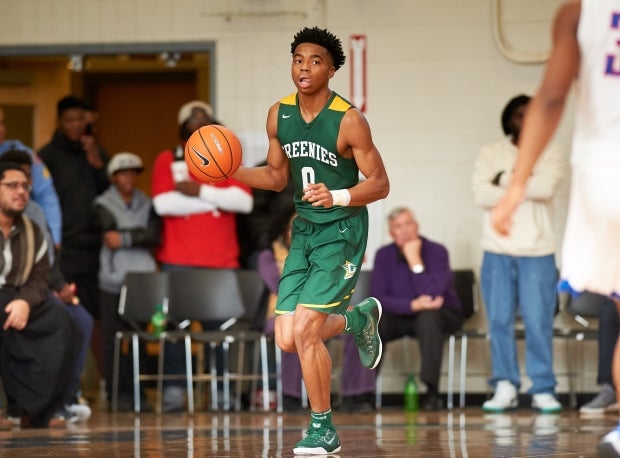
<point x="37" y="333"/>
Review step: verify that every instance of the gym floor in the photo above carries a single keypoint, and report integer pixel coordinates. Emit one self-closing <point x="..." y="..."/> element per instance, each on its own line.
<point x="388" y="433"/>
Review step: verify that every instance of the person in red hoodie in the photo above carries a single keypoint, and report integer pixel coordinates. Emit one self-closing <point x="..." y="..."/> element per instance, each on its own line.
<point x="198" y="222"/>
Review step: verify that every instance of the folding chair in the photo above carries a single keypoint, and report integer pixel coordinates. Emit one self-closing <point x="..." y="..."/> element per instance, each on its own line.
<point x="209" y="295"/>
<point x="140" y="294"/>
<point x="466" y="290"/>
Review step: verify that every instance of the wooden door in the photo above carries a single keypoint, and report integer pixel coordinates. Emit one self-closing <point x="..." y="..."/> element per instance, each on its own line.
<point x="138" y="113"/>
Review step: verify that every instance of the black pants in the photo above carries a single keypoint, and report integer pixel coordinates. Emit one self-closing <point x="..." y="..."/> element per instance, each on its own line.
<point x="36" y="363"/>
<point x="430" y="328"/>
<point x="608" y="328"/>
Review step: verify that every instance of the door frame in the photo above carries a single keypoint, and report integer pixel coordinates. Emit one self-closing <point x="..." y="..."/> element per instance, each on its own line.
<point x="70" y="50"/>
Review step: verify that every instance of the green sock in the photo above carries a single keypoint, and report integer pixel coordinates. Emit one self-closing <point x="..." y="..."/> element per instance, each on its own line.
<point x="354" y="322"/>
<point x="324" y="418"/>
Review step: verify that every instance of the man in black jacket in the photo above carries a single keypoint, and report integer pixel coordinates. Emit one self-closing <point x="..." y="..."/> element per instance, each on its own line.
<point x="78" y="167"/>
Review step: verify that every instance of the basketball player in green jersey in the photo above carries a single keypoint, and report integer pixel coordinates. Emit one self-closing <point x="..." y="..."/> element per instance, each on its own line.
<point x="321" y="142"/>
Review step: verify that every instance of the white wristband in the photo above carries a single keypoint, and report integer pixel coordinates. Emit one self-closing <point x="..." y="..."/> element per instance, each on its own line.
<point x="341" y="197"/>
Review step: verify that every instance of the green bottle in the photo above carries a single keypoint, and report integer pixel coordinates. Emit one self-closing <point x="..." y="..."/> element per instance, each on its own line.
<point x="410" y="396"/>
<point x="159" y="320"/>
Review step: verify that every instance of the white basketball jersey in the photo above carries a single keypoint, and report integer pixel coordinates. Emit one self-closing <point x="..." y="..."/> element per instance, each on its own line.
<point x="596" y="138"/>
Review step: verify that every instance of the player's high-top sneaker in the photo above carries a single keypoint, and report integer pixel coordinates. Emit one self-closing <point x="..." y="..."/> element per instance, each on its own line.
<point x="320" y="440"/>
<point x="367" y="340"/>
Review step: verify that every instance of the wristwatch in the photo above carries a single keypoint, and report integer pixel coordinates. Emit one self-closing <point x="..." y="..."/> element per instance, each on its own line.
<point x="417" y="268"/>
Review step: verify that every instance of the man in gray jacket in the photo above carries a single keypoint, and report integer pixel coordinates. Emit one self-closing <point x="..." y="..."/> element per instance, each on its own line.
<point x="130" y="230"/>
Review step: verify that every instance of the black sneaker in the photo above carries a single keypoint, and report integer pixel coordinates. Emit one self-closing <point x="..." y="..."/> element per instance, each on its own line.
<point x="360" y="403"/>
<point x="291" y="404"/>
<point x="433" y="403"/>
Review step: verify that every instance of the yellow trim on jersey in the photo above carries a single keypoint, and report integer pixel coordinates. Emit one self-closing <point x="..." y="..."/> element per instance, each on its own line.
<point x="312" y="306"/>
<point x="339" y="104"/>
<point x="290" y="99"/>
<point x="325" y="306"/>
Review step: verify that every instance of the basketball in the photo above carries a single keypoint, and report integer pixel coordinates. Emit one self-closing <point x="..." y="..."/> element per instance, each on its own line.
<point x="213" y="153"/>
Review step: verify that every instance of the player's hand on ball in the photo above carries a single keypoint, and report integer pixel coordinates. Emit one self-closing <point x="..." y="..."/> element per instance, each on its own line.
<point x="318" y="195"/>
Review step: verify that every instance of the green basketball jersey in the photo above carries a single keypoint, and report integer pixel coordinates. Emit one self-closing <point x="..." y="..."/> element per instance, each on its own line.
<point x="313" y="157"/>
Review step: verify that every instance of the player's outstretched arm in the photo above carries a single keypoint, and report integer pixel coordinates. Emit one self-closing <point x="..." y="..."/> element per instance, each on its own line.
<point x="545" y="110"/>
<point x="355" y="136"/>
<point x="275" y="175"/>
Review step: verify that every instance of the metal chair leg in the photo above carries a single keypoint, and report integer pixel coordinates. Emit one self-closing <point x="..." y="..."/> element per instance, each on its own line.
<point x="213" y="371"/>
<point x="115" y="375"/>
<point x="462" y="371"/>
<point x="136" y="373"/>
<point x="160" y="376"/>
<point x="451" y="345"/>
<point x="256" y="361"/>
<point x="189" y="374"/>
<point x="264" y="371"/>
<point x="278" y="356"/>
<point x="226" y="374"/>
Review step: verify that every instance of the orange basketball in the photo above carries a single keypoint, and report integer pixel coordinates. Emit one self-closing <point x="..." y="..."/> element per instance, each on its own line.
<point x="213" y="153"/>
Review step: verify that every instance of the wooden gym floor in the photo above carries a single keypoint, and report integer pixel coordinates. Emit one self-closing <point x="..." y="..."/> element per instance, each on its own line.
<point x="388" y="433"/>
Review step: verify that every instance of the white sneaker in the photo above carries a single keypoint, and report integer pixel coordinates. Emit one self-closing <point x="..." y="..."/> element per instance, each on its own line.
<point x="545" y="425"/>
<point x="174" y="399"/>
<point x="258" y="399"/>
<point x="82" y="411"/>
<point x="546" y="403"/>
<point x="609" y="446"/>
<point x="505" y="398"/>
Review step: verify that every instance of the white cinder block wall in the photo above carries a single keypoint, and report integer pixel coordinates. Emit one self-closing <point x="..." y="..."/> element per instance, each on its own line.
<point x="436" y="81"/>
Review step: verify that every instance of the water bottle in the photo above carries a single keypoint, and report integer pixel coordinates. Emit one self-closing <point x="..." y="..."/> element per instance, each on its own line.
<point x="159" y="320"/>
<point x="410" y="395"/>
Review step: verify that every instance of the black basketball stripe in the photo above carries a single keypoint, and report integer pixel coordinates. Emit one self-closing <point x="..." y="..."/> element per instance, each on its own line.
<point x="198" y="166"/>
<point x="206" y="145"/>
<point x="215" y="127"/>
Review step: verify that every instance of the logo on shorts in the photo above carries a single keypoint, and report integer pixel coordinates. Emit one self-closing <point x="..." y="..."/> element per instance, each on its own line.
<point x="349" y="269"/>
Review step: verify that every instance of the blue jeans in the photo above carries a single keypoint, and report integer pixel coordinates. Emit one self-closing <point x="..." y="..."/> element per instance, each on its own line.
<point x="529" y="284"/>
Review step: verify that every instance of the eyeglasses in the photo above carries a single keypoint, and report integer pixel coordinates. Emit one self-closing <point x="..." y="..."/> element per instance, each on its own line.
<point x="14" y="185"/>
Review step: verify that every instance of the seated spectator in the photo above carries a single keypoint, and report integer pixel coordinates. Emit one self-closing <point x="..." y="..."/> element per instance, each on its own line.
<point x="38" y="338"/>
<point x="75" y="407"/>
<point x="131" y="230"/>
<point x="413" y="280"/>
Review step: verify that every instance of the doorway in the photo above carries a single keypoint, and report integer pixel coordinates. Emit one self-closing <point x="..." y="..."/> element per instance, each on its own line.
<point x="138" y="112"/>
<point x="136" y="91"/>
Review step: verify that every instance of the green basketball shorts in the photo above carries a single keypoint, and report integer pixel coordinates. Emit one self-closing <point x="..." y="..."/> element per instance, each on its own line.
<point x="323" y="264"/>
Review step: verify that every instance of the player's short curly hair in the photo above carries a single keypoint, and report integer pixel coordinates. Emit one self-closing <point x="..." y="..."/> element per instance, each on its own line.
<point x="324" y="38"/>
